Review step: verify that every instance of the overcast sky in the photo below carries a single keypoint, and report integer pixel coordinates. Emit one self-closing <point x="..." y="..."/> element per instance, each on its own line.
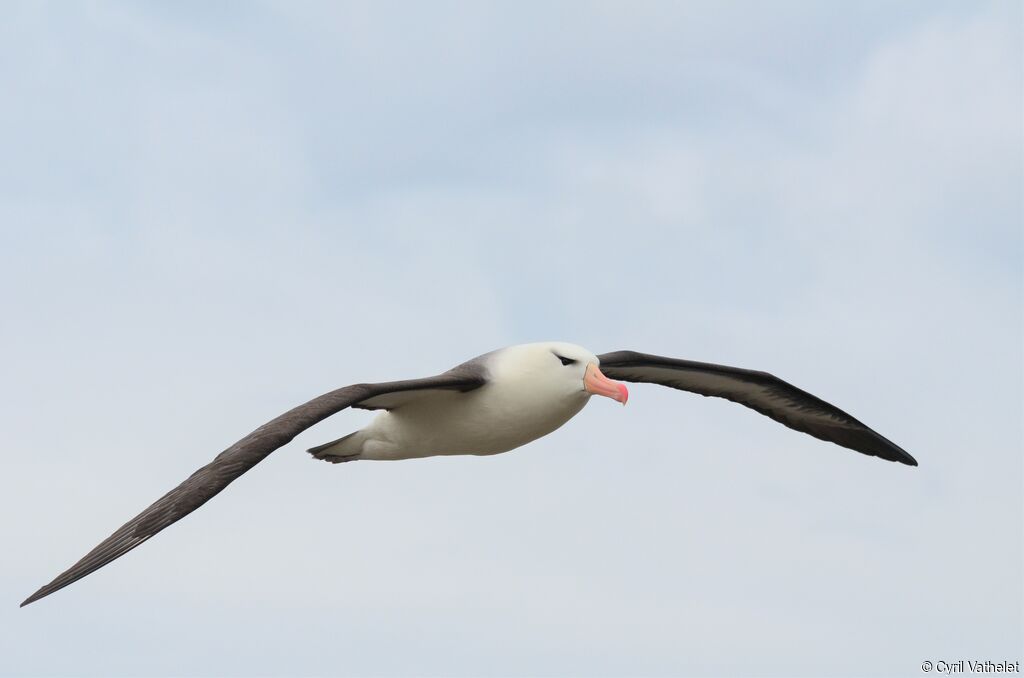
<point x="211" y="212"/>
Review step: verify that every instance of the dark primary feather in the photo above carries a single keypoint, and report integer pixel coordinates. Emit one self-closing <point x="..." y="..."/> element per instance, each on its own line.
<point x="202" y="485"/>
<point x="769" y="395"/>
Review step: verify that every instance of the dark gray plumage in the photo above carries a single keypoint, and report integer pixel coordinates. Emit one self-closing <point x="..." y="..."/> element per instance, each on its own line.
<point x="202" y="485"/>
<point x="769" y="395"/>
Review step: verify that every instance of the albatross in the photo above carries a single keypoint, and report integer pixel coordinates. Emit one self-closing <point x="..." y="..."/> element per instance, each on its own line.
<point x="493" y="403"/>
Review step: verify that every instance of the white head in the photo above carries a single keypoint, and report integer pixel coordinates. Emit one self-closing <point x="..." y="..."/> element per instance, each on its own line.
<point x="555" y="369"/>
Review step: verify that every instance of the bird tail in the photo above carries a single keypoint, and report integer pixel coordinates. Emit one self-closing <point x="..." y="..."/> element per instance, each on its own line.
<point x="346" y="448"/>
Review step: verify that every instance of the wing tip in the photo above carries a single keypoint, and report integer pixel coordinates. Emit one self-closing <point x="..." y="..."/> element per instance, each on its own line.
<point x="890" y="451"/>
<point x="896" y="453"/>
<point x="52" y="587"/>
<point x="907" y="460"/>
<point x="41" y="593"/>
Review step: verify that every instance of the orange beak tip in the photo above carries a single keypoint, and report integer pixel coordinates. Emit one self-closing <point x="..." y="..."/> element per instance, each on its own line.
<point x="597" y="384"/>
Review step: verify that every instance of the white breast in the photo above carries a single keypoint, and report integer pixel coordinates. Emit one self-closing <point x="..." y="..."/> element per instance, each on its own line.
<point x="521" y="402"/>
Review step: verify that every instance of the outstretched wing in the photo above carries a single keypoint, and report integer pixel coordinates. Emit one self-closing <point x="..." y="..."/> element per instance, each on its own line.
<point x="202" y="485"/>
<point x="769" y="395"/>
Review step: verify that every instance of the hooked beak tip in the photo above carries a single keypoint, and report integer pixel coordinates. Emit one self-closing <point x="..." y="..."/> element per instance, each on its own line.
<point x="597" y="384"/>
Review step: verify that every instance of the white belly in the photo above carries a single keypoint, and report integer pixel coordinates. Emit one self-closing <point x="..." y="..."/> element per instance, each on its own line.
<point x="488" y="420"/>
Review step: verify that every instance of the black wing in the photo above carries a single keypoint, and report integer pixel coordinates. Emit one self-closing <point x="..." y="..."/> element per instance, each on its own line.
<point x="202" y="485"/>
<point x="769" y="395"/>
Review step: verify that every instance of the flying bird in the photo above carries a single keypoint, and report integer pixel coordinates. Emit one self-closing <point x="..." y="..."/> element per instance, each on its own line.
<point x="493" y="403"/>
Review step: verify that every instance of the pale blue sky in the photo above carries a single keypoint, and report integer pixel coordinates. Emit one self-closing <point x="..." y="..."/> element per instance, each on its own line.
<point x="210" y="212"/>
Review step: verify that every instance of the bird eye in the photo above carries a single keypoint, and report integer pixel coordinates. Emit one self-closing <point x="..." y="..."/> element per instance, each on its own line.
<point x="565" y="361"/>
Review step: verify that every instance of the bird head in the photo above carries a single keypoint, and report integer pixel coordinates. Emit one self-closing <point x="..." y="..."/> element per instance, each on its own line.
<point x="558" y="368"/>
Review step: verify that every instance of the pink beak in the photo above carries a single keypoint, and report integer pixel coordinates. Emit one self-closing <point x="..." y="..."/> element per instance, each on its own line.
<point x="598" y="384"/>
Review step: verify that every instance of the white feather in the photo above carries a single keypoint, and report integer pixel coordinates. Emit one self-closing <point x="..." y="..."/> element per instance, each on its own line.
<point x="529" y="393"/>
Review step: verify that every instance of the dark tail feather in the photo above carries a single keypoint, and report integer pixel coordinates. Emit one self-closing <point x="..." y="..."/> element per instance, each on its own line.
<point x="322" y="451"/>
